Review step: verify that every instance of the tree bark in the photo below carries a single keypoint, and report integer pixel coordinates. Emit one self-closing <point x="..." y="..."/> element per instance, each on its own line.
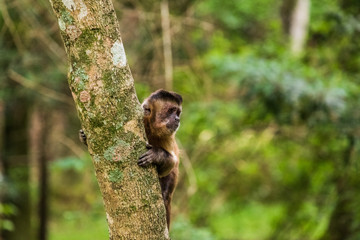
<point x="103" y="90"/>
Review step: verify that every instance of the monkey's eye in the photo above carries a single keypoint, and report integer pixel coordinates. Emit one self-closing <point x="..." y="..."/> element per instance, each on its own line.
<point x="171" y="110"/>
<point x="147" y="111"/>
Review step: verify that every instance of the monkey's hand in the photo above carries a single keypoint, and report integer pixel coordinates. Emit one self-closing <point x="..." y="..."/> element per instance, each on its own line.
<point x="82" y="137"/>
<point x="158" y="156"/>
<point x="149" y="157"/>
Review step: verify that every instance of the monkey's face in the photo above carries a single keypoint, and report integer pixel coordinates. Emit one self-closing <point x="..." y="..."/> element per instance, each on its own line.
<point x="167" y="118"/>
<point x="171" y="116"/>
<point x="163" y="117"/>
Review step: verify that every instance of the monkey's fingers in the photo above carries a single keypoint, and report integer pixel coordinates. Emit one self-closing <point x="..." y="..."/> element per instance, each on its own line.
<point x="144" y="161"/>
<point x="82" y="137"/>
<point x="145" y="155"/>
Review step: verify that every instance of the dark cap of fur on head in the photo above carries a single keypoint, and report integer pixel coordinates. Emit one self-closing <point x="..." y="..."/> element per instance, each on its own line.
<point x="166" y="95"/>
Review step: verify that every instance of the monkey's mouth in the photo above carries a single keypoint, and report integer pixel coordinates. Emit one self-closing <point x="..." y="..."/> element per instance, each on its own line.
<point x="173" y="126"/>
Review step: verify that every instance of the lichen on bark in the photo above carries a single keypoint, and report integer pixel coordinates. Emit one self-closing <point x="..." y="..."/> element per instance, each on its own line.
<point x="103" y="90"/>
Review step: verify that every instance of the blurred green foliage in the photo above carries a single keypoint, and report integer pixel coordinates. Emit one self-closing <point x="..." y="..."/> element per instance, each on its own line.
<point x="269" y="139"/>
<point x="7" y="210"/>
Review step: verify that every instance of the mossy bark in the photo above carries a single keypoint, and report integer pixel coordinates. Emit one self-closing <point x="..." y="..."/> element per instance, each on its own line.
<point x="103" y="90"/>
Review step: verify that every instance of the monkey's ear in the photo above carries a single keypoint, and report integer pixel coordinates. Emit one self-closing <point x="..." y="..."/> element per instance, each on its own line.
<point x="146" y="108"/>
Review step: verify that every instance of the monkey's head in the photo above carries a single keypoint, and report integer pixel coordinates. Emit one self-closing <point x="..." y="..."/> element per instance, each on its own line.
<point x="162" y="111"/>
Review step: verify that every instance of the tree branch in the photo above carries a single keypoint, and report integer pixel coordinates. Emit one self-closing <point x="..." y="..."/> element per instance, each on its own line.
<point x="40" y="89"/>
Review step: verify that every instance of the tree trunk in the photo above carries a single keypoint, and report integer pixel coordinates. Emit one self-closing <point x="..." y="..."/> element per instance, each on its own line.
<point x="103" y="90"/>
<point x="286" y="10"/>
<point x="2" y="138"/>
<point x="16" y="166"/>
<point x="166" y="37"/>
<point x="38" y="151"/>
<point x="340" y="223"/>
<point x="43" y="176"/>
<point x="299" y="25"/>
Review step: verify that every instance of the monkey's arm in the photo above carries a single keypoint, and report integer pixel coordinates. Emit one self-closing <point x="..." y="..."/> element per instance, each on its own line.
<point x="163" y="160"/>
<point x="82" y="137"/>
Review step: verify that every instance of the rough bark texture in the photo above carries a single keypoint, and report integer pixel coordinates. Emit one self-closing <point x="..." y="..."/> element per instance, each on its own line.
<point x="103" y="89"/>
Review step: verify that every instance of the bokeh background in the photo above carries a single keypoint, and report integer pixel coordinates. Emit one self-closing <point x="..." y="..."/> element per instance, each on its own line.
<point x="269" y="131"/>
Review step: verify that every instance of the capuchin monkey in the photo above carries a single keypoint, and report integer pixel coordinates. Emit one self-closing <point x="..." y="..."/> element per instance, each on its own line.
<point x="162" y="110"/>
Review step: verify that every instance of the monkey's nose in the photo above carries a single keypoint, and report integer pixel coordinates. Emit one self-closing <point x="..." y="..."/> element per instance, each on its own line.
<point x="177" y="119"/>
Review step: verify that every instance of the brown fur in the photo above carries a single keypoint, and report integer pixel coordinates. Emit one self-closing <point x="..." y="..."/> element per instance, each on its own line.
<point x="162" y="111"/>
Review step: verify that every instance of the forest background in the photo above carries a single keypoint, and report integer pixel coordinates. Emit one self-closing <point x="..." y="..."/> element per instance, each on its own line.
<point x="269" y="132"/>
